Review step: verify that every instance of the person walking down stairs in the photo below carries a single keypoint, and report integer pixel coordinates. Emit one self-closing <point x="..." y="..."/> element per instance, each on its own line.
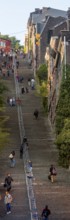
<point x="7" y="201"/>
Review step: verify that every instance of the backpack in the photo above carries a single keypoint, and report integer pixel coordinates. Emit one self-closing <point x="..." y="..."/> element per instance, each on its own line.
<point x="47" y="213"/>
<point x="54" y="171"/>
<point x="7" y="199"/>
<point x="8" y="180"/>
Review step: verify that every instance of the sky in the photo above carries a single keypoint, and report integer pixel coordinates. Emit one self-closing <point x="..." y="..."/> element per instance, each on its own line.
<point x="14" y="14"/>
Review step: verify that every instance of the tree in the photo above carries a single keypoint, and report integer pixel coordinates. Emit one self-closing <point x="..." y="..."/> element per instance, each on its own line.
<point x="15" y="43"/>
<point x="5" y="36"/>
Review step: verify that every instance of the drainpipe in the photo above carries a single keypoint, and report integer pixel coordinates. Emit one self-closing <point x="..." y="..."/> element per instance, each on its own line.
<point x="65" y="54"/>
<point x="34" y="50"/>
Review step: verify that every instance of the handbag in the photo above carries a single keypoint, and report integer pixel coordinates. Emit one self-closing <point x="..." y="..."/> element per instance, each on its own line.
<point x="5" y="185"/>
<point x="11" y="156"/>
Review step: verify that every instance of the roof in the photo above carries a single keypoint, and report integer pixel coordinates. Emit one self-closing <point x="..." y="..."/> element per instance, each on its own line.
<point x="56" y="12"/>
<point x="53" y="22"/>
<point x="39" y="15"/>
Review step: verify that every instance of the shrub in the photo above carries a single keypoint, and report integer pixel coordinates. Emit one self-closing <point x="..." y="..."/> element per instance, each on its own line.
<point x="42" y="73"/>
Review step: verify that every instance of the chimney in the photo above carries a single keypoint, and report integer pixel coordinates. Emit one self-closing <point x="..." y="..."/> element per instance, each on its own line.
<point x="68" y="19"/>
<point x="37" y="10"/>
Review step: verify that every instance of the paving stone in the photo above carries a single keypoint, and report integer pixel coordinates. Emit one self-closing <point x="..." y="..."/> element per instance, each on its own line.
<point x="42" y="153"/>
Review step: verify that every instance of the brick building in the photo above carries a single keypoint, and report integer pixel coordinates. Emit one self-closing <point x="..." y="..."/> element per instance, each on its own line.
<point x="5" y="45"/>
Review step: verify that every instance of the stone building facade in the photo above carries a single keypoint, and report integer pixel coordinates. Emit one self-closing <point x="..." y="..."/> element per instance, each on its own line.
<point x="52" y="47"/>
<point x="58" y="55"/>
<point x="42" y="21"/>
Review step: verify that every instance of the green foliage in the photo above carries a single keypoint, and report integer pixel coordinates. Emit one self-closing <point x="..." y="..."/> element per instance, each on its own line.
<point x="63" y="120"/>
<point x="42" y="85"/>
<point x="15" y="43"/>
<point x="4" y="137"/>
<point x="63" y="106"/>
<point x="63" y="144"/>
<point x="43" y="89"/>
<point x="21" y="47"/>
<point x="45" y="104"/>
<point x="3" y="88"/>
<point x="3" y="133"/>
<point x="42" y="73"/>
<point x="5" y="36"/>
<point x="44" y="93"/>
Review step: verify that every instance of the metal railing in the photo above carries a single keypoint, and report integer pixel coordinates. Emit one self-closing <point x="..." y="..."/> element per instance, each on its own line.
<point x="28" y="174"/>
